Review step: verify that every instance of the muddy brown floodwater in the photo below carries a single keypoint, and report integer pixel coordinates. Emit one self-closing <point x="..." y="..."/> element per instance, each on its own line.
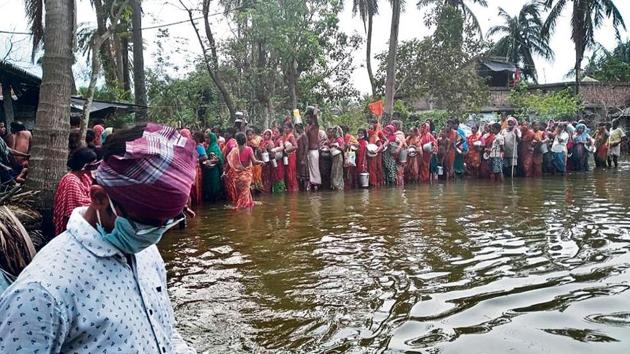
<point x="533" y="266"/>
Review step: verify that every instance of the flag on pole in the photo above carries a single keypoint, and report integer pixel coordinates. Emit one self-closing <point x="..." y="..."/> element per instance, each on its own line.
<point x="376" y="108"/>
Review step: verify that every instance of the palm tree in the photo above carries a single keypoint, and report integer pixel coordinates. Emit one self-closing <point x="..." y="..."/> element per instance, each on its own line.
<point x="50" y="135"/>
<point x="390" y="81"/>
<point x="367" y="9"/>
<point x="521" y="39"/>
<point x="587" y="16"/>
<point x="460" y="5"/>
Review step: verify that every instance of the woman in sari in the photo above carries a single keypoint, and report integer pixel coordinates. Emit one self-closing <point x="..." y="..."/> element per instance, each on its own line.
<point x="601" y="145"/>
<point x="241" y="159"/>
<point x="581" y="142"/>
<point x="412" y="169"/>
<point x="229" y="145"/>
<point x="450" y="152"/>
<point x="350" y="159"/>
<point x="253" y="141"/>
<point x="473" y="156"/>
<point x="427" y="157"/>
<point x="526" y="150"/>
<point x="325" y="158"/>
<point x="212" y="186"/>
<point x="390" y="170"/>
<point x="336" y="168"/>
<point x="196" y="192"/>
<point x="267" y="169"/>
<point x="302" y="157"/>
<point x="375" y="164"/>
<point x="540" y="139"/>
<point x="361" y="159"/>
<point x="290" y="148"/>
<point x="277" y="174"/>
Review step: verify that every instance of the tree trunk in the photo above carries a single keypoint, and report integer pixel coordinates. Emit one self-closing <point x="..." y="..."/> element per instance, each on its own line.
<point x="214" y="59"/>
<point x="50" y="135"/>
<point x="97" y="43"/>
<point x="139" y="88"/>
<point x="292" y="83"/>
<point x="368" y="56"/>
<point x="7" y="102"/>
<point x="124" y="57"/>
<point x="112" y="79"/>
<point x="391" y="59"/>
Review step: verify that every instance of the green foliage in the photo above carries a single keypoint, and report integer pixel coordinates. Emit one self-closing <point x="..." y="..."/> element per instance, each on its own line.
<point x="610" y="66"/>
<point x="544" y="106"/>
<point x="189" y="101"/>
<point x="521" y="38"/>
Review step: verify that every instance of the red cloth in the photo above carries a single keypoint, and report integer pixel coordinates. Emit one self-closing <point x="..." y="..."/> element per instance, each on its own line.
<point x="291" y="174"/>
<point x="425" y="164"/>
<point x="73" y="192"/>
<point x="450" y="153"/>
<point x="242" y="180"/>
<point x="377" y="107"/>
<point x="196" y="192"/>
<point x="473" y="157"/>
<point x="375" y="164"/>
<point x="526" y="151"/>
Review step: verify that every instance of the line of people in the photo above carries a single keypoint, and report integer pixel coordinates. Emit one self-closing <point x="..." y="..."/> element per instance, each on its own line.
<point x="293" y="156"/>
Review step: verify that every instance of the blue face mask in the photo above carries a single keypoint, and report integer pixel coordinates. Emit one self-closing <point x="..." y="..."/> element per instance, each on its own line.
<point x="131" y="237"/>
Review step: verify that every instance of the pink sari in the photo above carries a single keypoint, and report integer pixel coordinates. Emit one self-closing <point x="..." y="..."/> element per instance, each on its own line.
<point x="241" y="178"/>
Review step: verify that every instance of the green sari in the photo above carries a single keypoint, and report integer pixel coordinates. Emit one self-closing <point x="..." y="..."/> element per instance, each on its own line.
<point x="212" y="184"/>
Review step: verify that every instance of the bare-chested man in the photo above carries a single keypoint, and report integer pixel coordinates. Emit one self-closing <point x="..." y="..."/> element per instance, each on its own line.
<point x="21" y="142"/>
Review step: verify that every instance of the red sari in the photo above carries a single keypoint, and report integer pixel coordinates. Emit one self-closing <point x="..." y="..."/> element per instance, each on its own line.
<point x="290" y="171"/>
<point x="242" y="179"/>
<point x="362" y="161"/>
<point x="267" y="168"/>
<point x="484" y="168"/>
<point x="537" y="157"/>
<point x="425" y="163"/>
<point x="449" y="159"/>
<point x="473" y="157"/>
<point x="526" y="151"/>
<point x="412" y="168"/>
<point x="375" y="164"/>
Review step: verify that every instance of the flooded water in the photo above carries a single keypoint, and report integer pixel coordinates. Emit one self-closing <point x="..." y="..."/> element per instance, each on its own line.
<point x="533" y="266"/>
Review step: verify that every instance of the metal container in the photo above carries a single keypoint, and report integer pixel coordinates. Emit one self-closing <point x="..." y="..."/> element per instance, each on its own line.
<point x="274" y="163"/>
<point x="285" y="160"/>
<point x="402" y="157"/>
<point x="428" y="147"/>
<point x="265" y="156"/>
<point x="440" y="170"/>
<point x="364" y="179"/>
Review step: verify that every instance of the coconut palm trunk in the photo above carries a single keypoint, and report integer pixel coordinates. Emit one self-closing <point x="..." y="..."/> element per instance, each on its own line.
<point x="390" y="82"/>
<point x="368" y="55"/>
<point x="50" y="135"/>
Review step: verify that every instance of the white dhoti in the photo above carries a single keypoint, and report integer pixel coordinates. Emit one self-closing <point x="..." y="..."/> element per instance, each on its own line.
<point x="313" y="167"/>
<point x="615" y="151"/>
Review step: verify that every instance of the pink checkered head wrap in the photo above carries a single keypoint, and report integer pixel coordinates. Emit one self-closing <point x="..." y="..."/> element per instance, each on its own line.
<point x="154" y="176"/>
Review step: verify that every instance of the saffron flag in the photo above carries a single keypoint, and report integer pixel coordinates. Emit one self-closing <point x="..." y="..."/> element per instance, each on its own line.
<point x="376" y="108"/>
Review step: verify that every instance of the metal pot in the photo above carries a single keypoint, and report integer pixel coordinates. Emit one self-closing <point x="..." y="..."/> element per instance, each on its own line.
<point x="364" y="179"/>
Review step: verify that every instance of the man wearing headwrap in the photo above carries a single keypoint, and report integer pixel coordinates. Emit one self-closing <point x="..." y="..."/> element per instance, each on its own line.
<point x="101" y="285"/>
<point x="512" y="137"/>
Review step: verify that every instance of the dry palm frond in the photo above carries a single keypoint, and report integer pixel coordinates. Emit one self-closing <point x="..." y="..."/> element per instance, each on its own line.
<point x="16" y="246"/>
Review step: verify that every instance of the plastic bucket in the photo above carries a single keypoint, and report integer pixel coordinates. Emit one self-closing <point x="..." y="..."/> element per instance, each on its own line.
<point x="285" y="160"/>
<point x="265" y="156"/>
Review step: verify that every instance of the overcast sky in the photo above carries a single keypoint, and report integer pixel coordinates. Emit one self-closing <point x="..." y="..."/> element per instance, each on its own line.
<point x="167" y="11"/>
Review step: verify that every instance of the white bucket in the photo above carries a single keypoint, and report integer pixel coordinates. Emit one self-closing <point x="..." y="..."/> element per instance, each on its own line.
<point x="364" y="179"/>
<point x="285" y="160"/>
<point x="274" y="163"/>
<point x="265" y="156"/>
<point x="440" y="170"/>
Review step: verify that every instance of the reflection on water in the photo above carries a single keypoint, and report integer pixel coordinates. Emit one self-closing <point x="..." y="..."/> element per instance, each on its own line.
<point x="533" y="266"/>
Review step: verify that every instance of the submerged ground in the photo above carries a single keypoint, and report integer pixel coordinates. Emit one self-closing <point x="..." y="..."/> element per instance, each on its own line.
<point x="533" y="266"/>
